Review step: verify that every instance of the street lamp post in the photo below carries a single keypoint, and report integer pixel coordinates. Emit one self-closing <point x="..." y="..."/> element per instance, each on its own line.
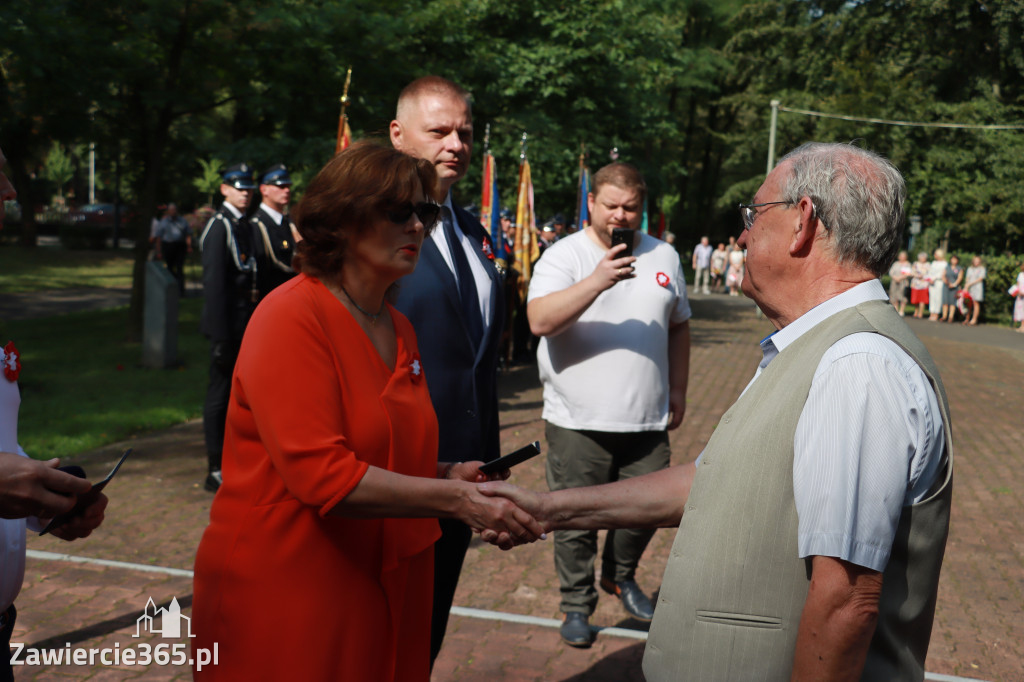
<point x="771" y="136"/>
<point x="915" y="229"/>
<point x="92" y="172"/>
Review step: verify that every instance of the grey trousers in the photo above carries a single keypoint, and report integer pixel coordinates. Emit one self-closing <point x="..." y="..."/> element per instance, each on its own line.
<point x="581" y="458"/>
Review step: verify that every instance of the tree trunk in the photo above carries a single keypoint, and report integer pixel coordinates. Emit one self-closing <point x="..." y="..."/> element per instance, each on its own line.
<point x="26" y="198"/>
<point x="152" y="146"/>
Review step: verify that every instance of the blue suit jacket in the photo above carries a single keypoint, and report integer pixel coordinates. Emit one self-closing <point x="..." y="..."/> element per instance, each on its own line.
<point x="462" y="378"/>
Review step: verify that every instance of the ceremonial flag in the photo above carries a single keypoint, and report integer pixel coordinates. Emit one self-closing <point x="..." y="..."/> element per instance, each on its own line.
<point x="527" y="250"/>
<point x="490" y="207"/>
<point x="644" y="226"/>
<point x="582" y="212"/>
<point x="344" y="132"/>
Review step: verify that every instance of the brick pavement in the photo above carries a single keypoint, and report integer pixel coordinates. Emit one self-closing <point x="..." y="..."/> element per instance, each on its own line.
<point x="158" y="510"/>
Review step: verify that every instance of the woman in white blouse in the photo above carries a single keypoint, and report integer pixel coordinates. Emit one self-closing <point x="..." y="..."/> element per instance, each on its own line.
<point x="937" y="286"/>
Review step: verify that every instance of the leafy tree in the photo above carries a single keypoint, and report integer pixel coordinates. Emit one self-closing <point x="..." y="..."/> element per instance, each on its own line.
<point x="209" y="179"/>
<point x="58" y="168"/>
<point x="681" y="87"/>
<point x="44" y="96"/>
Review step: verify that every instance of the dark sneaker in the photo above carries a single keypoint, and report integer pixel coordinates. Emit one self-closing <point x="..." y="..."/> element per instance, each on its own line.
<point x="575" y="630"/>
<point x="633" y="599"/>
<point x="213" y="481"/>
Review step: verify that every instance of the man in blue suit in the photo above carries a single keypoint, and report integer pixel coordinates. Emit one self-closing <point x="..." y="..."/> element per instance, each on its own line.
<point x="454" y="301"/>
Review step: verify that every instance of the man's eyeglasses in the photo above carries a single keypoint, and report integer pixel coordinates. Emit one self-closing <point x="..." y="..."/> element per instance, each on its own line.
<point x="749" y="214"/>
<point x="426" y="211"/>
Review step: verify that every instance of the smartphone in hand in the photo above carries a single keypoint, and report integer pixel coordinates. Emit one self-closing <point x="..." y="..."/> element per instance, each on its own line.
<point x="623" y="235"/>
<point x="512" y="459"/>
<point x="88" y="498"/>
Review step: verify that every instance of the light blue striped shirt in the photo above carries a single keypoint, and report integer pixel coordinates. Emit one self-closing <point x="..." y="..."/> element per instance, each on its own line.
<point x="869" y="440"/>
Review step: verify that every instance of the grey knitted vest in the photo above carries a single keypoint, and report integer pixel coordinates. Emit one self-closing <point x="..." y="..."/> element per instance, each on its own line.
<point x="734" y="588"/>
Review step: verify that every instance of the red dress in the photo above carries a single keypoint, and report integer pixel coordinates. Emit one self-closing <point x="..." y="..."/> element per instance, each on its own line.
<point x="286" y="591"/>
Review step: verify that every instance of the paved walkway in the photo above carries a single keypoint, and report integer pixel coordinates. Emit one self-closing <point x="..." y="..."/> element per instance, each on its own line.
<point x="505" y="622"/>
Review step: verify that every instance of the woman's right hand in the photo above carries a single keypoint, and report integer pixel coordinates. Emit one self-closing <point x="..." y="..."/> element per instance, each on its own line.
<point x="470" y="472"/>
<point x="513" y="525"/>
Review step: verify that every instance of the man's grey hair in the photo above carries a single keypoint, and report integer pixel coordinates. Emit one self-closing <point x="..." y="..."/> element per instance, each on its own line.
<point x="857" y="194"/>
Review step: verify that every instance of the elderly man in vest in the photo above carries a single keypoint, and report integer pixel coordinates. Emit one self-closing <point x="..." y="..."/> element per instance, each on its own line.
<point x="813" y="525"/>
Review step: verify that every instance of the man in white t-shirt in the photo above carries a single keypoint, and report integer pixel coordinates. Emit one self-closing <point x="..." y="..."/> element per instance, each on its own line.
<point x="702" y="265"/>
<point x="614" y="361"/>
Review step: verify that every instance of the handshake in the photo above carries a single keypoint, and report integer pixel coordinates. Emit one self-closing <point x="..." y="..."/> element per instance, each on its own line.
<point x="503" y="514"/>
<point x="507" y="515"/>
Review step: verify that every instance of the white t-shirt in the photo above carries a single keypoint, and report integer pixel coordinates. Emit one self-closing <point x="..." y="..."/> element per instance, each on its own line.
<point x="609" y="370"/>
<point x="12" y="531"/>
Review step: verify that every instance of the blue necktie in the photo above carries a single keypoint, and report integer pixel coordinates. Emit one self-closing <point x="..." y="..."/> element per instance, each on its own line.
<point x="468" y="295"/>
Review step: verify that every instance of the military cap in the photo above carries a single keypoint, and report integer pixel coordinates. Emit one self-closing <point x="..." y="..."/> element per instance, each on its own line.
<point x="239" y="176"/>
<point x="507" y="214"/>
<point x="276" y="175"/>
<point x="558" y="219"/>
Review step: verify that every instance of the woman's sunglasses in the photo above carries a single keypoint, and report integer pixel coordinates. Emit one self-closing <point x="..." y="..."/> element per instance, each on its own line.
<point x="426" y="211"/>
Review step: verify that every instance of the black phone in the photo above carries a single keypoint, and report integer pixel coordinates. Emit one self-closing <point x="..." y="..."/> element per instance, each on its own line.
<point x="513" y="458"/>
<point x="623" y="235"/>
<point x="89" y="497"/>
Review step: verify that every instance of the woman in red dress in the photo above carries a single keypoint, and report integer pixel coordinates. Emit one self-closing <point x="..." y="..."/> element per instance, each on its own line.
<point x="317" y="563"/>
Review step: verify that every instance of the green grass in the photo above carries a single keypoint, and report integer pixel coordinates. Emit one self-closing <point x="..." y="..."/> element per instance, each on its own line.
<point x="82" y="385"/>
<point x="44" y="267"/>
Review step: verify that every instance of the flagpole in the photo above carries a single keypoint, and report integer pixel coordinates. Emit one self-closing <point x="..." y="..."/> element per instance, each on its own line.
<point x="343" y="118"/>
<point x="521" y="236"/>
<point x="486" y="187"/>
<point x="579" y="185"/>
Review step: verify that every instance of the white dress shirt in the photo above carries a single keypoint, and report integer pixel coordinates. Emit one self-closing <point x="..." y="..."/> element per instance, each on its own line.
<point x="480" y="276"/>
<point x="869" y="441"/>
<point x="275" y="215"/>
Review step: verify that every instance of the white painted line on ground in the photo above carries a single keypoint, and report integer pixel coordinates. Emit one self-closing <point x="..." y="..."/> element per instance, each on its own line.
<point x="621" y="632"/>
<point x="54" y="556"/>
<point x="479" y="614"/>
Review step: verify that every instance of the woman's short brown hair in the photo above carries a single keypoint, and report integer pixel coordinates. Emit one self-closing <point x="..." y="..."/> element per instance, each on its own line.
<point x="347" y="195"/>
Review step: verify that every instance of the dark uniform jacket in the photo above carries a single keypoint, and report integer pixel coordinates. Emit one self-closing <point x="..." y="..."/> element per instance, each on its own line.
<point x="274" y="246"/>
<point x="229" y="277"/>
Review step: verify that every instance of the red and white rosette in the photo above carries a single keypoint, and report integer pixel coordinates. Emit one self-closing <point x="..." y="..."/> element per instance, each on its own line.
<point x="486" y="248"/>
<point x="10" y="359"/>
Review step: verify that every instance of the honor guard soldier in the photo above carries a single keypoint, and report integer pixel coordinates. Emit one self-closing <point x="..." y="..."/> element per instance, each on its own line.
<point x="231" y="294"/>
<point x="275" y="242"/>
